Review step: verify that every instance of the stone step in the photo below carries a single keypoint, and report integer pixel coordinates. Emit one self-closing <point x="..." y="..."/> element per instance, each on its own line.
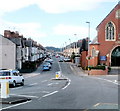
<point x="115" y="70"/>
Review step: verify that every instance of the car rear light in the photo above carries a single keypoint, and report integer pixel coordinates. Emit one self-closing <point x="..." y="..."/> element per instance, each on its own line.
<point x="8" y="78"/>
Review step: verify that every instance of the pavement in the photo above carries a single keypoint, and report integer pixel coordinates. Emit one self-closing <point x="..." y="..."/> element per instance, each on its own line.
<point x="78" y="70"/>
<point x="14" y="100"/>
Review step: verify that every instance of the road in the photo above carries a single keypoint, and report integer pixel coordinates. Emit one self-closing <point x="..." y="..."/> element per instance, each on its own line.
<point x="78" y="91"/>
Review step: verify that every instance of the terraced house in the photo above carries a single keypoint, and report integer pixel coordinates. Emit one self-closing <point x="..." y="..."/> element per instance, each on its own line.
<point x="18" y="52"/>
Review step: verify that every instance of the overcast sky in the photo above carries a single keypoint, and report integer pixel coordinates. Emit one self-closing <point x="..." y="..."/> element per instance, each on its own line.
<point x="54" y="22"/>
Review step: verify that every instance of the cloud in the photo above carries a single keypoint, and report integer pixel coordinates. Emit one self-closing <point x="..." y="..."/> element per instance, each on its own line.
<point x="13" y="5"/>
<point x="51" y="6"/>
<point x="70" y="30"/>
<point x="32" y="30"/>
<point x="63" y="6"/>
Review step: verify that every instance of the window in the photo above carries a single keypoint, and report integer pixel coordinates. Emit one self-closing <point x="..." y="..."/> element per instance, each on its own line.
<point x="110" y="31"/>
<point x="93" y="52"/>
<point x="118" y="14"/>
<point x="119" y="36"/>
<point x="4" y="73"/>
<point x="15" y="74"/>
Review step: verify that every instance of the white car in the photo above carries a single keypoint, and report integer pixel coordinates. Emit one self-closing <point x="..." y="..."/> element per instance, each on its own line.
<point x="13" y="77"/>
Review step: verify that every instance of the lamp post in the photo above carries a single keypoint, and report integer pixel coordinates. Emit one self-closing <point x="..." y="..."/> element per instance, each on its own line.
<point x="88" y="44"/>
<point x="66" y="49"/>
<point x="75" y="45"/>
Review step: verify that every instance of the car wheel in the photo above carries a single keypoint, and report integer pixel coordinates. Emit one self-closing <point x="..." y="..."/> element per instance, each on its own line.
<point x="22" y="83"/>
<point x="14" y="83"/>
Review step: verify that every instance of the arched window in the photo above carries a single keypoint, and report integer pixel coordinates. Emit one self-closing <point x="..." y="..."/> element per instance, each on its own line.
<point x="110" y="31"/>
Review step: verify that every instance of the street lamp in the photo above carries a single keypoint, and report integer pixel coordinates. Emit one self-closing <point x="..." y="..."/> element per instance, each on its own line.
<point x="88" y="43"/>
<point x="65" y="48"/>
<point x="75" y="45"/>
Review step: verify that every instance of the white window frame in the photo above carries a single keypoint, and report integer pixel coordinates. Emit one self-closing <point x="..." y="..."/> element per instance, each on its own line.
<point x="113" y="38"/>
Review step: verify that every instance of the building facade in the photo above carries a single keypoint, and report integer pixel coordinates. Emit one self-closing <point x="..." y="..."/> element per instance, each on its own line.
<point x="18" y="52"/>
<point x="7" y="54"/>
<point x="105" y="48"/>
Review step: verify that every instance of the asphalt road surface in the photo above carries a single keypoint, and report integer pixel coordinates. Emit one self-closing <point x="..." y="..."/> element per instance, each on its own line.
<point x="76" y="91"/>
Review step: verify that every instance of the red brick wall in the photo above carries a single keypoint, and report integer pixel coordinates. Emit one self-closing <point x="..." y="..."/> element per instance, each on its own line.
<point x="94" y="60"/>
<point x="106" y="46"/>
<point x="84" y="61"/>
<point x="98" y="72"/>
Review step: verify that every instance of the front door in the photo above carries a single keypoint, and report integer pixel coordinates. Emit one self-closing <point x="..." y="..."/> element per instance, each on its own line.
<point x="115" y="57"/>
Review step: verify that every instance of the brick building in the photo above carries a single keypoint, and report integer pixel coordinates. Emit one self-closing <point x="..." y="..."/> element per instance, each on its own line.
<point x="105" y="48"/>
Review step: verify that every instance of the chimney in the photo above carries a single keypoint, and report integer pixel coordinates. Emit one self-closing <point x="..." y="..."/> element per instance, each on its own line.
<point x="17" y="34"/>
<point x="7" y="33"/>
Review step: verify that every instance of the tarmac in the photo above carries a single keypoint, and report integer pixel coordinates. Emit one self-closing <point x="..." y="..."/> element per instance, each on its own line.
<point x="20" y="99"/>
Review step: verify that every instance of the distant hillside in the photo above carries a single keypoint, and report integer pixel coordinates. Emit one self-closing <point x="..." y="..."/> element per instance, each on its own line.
<point x="53" y="48"/>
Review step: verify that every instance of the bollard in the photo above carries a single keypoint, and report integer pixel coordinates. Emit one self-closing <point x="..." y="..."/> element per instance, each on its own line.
<point x="4" y="89"/>
<point x="58" y="75"/>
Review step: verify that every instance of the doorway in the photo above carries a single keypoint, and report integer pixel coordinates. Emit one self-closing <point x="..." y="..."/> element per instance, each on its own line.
<point x="115" y="57"/>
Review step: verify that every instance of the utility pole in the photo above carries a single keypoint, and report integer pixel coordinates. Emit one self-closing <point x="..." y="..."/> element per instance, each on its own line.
<point x="88" y="45"/>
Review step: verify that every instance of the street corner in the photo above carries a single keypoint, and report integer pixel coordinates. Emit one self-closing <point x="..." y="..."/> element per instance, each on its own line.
<point x="14" y="100"/>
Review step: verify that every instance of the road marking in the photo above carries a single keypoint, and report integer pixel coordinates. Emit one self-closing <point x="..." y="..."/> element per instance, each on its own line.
<point x="25" y="96"/>
<point x="44" y="81"/>
<point x="48" y="94"/>
<point x="16" y="88"/>
<point x="69" y="82"/>
<point x="96" y="105"/>
<point x="71" y="67"/>
<point x="60" y="67"/>
<point x="33" y="84"/>
<point x="30" y="75"/>
<point x="105" y="106"/>
<point x="106" y="80"/>
<point x="45" y="92"/>
<point x="15" y="105"/>
<point x="52" y="84"/>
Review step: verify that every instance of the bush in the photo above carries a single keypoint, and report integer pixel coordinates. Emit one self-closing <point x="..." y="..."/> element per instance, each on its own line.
<point x="109" y="69"/>
<point x="99" y="67"/>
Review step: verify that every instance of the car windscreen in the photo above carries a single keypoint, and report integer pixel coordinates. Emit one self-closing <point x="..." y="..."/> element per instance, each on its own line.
<point x="4" y="73"/>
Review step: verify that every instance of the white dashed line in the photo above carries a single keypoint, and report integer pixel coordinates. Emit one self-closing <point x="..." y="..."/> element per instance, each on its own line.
<point x="49" y="94"/>
<point x="52" y="84"/>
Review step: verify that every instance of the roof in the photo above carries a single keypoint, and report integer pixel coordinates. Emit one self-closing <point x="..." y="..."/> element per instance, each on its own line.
<point x="95" y="41"/>
<point x="108" y="14"/>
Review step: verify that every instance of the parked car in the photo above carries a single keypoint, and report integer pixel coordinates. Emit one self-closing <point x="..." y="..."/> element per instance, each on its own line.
<point x="49" y="60"/>
<point x="46" y="67"/>
<point x="47" y="63"/>
<point x="61" y="60"/>
<point x="67" y="59"/>
<point x="13" y="77"/>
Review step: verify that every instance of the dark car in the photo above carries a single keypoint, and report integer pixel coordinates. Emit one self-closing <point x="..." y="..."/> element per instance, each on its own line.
<point x="61" y="60"/>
